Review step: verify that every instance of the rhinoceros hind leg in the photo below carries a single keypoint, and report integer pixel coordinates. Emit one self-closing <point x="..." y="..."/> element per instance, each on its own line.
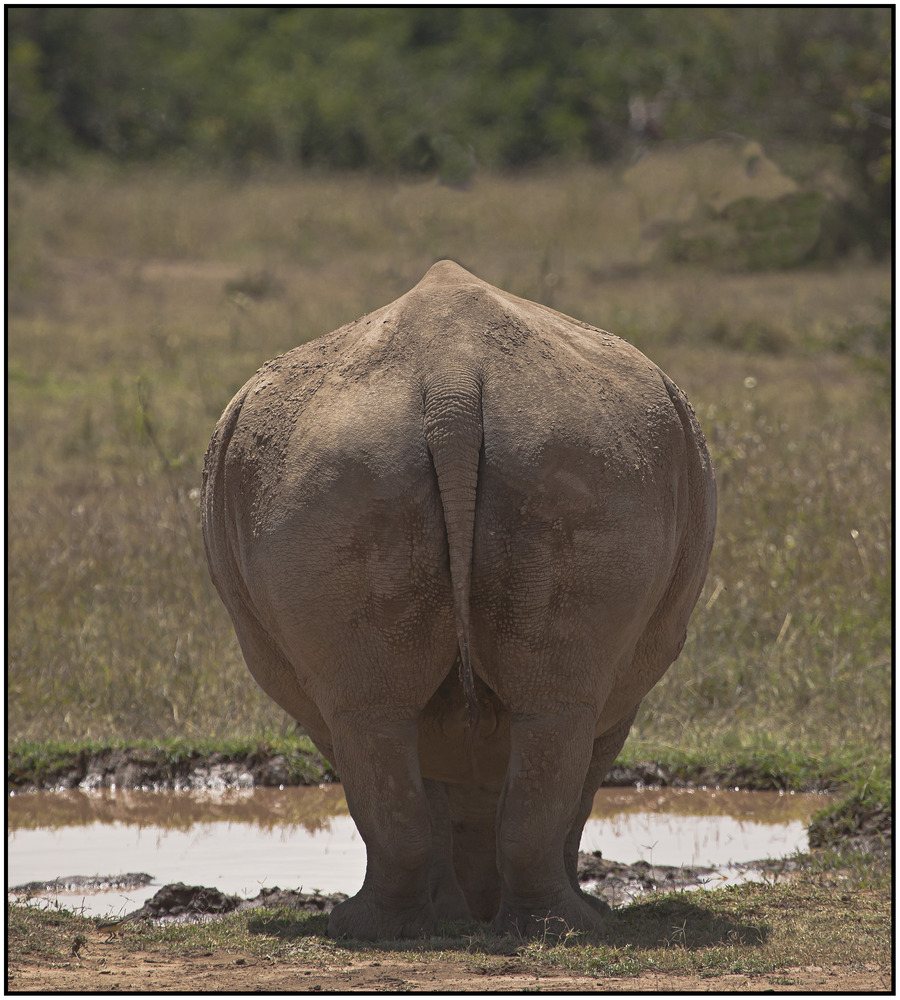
<point x="473" y="810"/>
<point x="606" y="749"/>
<point x="446" y="895"/>
<point x="549" y="759"/>
<point x="378" y="764"/>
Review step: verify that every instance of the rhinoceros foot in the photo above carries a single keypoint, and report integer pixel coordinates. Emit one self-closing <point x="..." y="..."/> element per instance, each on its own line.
<point x="365" y="918"/>
<point x="574" y="915"/>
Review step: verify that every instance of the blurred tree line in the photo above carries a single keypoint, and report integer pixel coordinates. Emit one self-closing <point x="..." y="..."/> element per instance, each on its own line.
<point x="437" y="89"/>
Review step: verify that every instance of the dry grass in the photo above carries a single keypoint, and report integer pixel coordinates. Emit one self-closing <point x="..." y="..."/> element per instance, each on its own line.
<point x="140" y="302"/>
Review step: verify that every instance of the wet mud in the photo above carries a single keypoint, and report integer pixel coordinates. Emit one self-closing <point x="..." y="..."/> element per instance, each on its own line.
<point x="155" y="770"/>
<point x="612" y="881"/>
<point x="84" y="883"/>
<point x="177" y="902"/>
<point x="180" y="903"/>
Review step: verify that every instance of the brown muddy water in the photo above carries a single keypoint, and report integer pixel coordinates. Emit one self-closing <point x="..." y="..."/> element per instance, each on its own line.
<point x="244" y="840"/>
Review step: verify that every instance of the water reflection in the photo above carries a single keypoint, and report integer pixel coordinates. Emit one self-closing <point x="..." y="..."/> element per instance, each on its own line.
<point x="308" y="807"/>
<point x="312" y="807"/>
<point x="753" y="807"/>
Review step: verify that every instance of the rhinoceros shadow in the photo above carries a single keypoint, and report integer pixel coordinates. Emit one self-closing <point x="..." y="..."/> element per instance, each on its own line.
<point x="677" y="921"/>
<point x="674" y="921"/>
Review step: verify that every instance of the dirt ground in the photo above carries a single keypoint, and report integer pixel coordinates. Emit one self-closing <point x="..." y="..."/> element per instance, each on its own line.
<point x="109" y="966"/>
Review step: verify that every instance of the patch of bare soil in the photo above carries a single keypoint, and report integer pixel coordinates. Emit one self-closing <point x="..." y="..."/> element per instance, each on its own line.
<point x="105" y="965"/>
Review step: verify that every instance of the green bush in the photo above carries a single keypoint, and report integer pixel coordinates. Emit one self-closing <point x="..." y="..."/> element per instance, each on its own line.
<point x="435" y="89"/>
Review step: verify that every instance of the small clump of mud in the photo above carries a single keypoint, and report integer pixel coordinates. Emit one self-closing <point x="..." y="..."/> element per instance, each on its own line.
<point x="619" y="884"/>
<point x="84" y="883"/>
<point x="616" y="883"/>
<point x="180" y="903"/>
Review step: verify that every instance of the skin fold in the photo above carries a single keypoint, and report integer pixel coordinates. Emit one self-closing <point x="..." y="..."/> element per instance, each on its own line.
<point x="460" y="539"/>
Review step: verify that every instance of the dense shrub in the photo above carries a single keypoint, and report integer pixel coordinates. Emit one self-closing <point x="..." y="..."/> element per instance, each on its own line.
<point x="406" y="87"/>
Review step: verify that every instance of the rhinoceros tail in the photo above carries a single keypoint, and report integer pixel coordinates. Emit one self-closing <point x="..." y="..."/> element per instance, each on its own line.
<point x="454" y="433"/>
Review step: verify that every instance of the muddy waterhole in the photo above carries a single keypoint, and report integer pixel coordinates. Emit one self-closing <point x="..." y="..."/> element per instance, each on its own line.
<point x="243" y="840"/>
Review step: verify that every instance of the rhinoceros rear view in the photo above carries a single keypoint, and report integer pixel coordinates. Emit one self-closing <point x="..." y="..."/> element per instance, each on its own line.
<point x="460" y="539"/>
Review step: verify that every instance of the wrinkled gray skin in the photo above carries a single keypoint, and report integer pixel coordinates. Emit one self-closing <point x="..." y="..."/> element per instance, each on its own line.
<point x="460" y="539"/>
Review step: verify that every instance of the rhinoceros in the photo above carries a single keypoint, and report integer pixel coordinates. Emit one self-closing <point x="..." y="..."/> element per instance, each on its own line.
<point x="460" y="539"/>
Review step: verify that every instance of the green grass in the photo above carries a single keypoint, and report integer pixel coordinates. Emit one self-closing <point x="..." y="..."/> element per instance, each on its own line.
<point x="141" y="301"/>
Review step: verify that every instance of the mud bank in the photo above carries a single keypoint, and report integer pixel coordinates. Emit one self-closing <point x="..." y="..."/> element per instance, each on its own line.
<point x="158" y="770"/>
